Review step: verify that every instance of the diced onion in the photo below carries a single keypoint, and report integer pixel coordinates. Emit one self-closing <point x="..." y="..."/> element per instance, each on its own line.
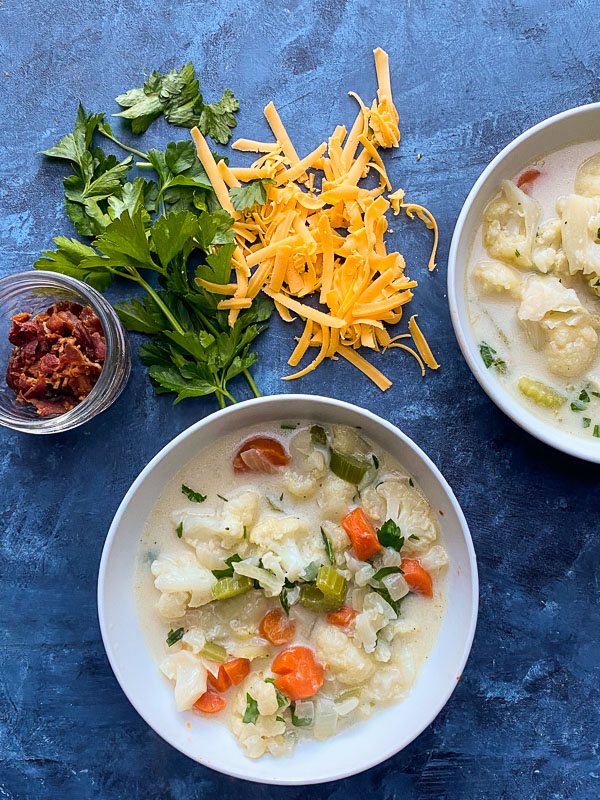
<point x="305" y="710"/>
<point x="326" y="718"/>
<point x="346" y="706"/>
<point x="257" y="461"/>
<point x="270" y="583"/>
<point x="396" y="585"/>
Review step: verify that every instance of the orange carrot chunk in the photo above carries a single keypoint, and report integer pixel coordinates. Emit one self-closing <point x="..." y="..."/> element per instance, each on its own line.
<point x="418" y="579"/>
<point x="343" y="617"/>
<point x="301" y="675"/>
<point x="237" y="669"/>
<point x="260" y="454"/>
<point x="210" y="703"/>
<point x="221" y="682"/>
<point x="277" y="628"/>
<point x="526" y="179"/>
<point x="362" y="534"/>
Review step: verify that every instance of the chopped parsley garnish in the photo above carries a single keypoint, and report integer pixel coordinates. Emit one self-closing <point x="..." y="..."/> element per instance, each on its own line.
<point x="174" y="636"/>
<point x="310" y="573"/>
<point x="518" y="255"/>
<point x="245" y="536"/>
<point x="328" y="546"/>
<point x="195" y="497"/>
<point x="489" y="357"/>
<point x="281" y="701"/>
<point x="595" y="394"/>
<point x="577" y="406"/>
<point x="596" y="431"/>
<point x="390" y="535"/>
<point x="413" y="537"/>
<point x="584" y="396"/>
<point x="387" y="571"/>
<point x="586" y="422"/>
<point x="375" y="461"/>
<point x="227" y="573"/>
<point x="299" y="722"/>
<point x="284" y="600"/>
<point x="410" y="482"/>
<point x="288" y="427"/>
<point x="180" y="530"/>
<point x="224" y="499"/>
<point x="274" y="505"/>
<point x="598" y="234"/>
<point x="279" y="719"/>
<point x="251" y="713"/>
<point x="383" y="592"/>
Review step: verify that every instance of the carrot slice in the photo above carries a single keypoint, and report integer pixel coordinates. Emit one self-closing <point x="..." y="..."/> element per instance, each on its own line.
<point x="210" y="703"/>
<point x="260" y="454"/>
<point x="418" y="579"/>
<point x="277" y="628"/>
<point x="222" y="682"/>
<point x="237" y="669"/>
<point x="526" y="179"/>
<point x="343" y="617"/>
<point x="362" y="534"/>
<point x="301" y="675"/>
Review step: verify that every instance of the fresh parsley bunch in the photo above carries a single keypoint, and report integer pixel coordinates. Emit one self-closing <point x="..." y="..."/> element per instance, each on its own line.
<point x="170" y="225"/>
<point x="192" y="351"/>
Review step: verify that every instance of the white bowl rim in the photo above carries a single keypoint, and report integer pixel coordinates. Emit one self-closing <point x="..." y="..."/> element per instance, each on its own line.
<point x="233" y="409"/>
<point x="572" y="445"/>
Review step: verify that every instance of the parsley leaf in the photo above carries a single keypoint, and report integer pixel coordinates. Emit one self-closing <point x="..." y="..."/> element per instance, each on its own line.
<point x="390" y="535"/>
<point x="177" y="95"/>
<point x="299" y="722"/>
<point x="328" y="547"/>
<point x="174" y="636"/>
<point x="250" y="194"/>
<point x="251" y="713"/>
<point x="387" y="571"/>
<point x="195" y="497"/>
<point x="488" y="355"/>
<point x="179" y="530"/>
<point x="284" y="600"/>
<point x="227" y="573"/>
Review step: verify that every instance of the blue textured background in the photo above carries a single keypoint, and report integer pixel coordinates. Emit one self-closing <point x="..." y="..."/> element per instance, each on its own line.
<point x="468" y="77"/>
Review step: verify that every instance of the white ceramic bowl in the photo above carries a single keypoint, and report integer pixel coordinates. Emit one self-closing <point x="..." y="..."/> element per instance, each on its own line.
<point x="212" y="744"/>
<point x="576" y="125"/>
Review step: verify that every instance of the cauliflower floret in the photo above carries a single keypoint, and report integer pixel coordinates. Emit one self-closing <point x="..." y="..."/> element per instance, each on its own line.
<point x="494" y="277"/>
<point x="587" y="177"/>
<point x="267" y="733"/>
<point x="265" y="696"/>
<point x="336" y="651"/>
<point x="571" y="349"/>
<point x="173" y="605"/>
<point x="304" y="484"/>
<point x="581" y="220"/>
<point x="434" y="559"/>
<point x="548" y="255"/>
<point x="183" y="573"/>
<point x="337" y="536"/>
<point x="194" y="639"/>
<point x="290" y="539"/>
<point x="373" y="504"/>
<point x="241" y="512"/>
<point x="375" y="615"/>
<point x="571" y="340"/>
<point x="510" y="224"/>
<point x="409" y="509"/>
<point x="189" y="674"/>
<point x="388" y="683"/>
<point x="334" y="497"/>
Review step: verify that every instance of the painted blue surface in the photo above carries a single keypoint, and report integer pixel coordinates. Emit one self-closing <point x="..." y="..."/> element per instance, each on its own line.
<point x="468" y="77"/>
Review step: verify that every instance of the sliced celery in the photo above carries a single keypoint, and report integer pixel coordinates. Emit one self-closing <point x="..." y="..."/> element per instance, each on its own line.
<point x="225" y="588"/>
<point x="215" y="652"/>
<point x="318" y="435"/>
<point x="540" y="393"/>
<point x="348" y="468"/>
<point x="314" y="600"/>
<point x="332" y="584"/>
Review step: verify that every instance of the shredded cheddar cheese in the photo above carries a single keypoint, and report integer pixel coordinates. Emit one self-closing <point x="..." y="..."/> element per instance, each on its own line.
<point x="327" y="240"/>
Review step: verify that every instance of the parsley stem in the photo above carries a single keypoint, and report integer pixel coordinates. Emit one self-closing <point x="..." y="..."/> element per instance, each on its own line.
<point x="124" y="146"/>
<point x="251" y="383"/>
<point x="159" y="303"/>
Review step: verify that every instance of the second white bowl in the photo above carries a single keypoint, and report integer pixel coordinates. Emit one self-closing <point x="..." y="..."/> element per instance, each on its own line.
<point x="211" y="744"/>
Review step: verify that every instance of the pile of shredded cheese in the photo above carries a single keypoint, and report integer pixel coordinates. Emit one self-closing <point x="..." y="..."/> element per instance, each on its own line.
<point x="329" y="240"/>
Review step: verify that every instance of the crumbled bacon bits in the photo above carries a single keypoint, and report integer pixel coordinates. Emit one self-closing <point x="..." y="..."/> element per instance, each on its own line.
<point x="57" y="358"/>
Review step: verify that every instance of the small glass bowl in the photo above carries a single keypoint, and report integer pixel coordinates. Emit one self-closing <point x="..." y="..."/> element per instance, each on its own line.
<point x="34" y="291"/>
